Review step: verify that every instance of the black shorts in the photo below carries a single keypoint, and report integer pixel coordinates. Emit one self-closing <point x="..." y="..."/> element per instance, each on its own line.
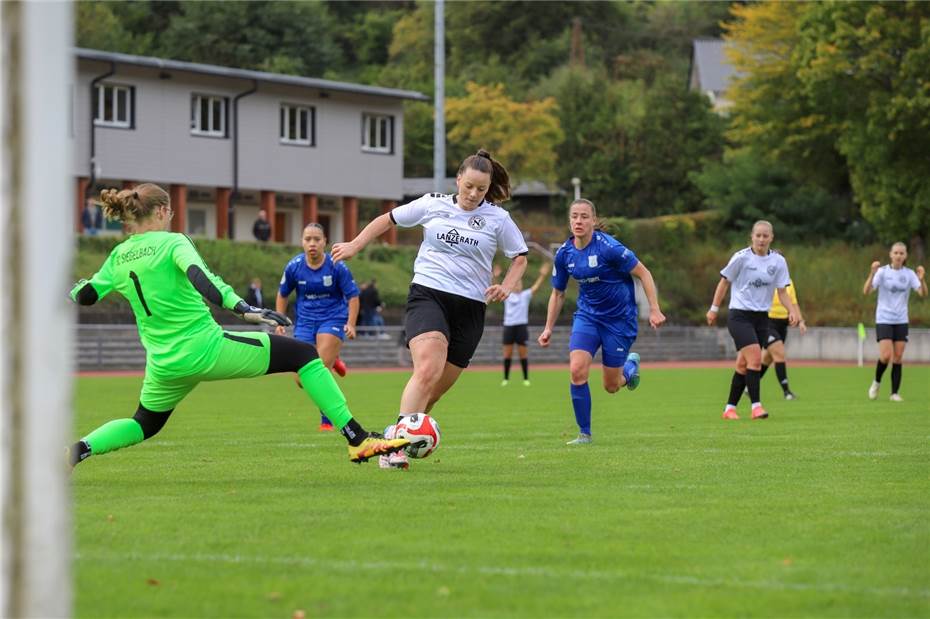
<point x="516" y="334"/>
<point x="459" y="318"/>
<point x="778" y="331"/>
<point x="747" y="328"/>
<point x="895" y="333"/>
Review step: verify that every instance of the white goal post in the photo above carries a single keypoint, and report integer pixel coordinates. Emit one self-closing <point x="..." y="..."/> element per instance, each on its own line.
<point x="37" y="210"/>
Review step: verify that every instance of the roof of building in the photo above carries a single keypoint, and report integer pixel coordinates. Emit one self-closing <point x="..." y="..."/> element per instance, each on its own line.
<point x="419" y="186"/>
<point x="713" y="67"/>
<point x="165" y="64"/>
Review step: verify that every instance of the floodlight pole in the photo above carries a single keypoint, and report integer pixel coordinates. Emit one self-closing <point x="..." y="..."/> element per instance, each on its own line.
<point x="439" y="98"/>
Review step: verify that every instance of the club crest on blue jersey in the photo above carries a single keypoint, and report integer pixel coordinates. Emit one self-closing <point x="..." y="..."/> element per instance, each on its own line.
<point x="592" y="261"/>
<point x="327" y="280"/>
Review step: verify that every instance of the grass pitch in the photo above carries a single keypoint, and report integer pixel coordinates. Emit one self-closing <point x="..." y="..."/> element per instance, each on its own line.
<point x="240" y="508"/>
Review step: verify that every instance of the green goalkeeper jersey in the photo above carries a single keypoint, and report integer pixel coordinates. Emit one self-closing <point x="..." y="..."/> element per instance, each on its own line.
<point x="176" y="328"/>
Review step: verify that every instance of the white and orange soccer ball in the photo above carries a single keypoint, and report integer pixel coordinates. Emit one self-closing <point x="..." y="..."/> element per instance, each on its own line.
<point x="423" y="433"/>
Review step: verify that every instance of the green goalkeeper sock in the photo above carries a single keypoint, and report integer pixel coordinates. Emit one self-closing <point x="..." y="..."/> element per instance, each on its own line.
<point x="320" y="385"/>
<point x="114" y="435"/>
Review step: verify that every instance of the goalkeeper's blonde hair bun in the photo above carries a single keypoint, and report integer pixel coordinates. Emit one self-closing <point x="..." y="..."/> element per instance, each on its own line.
<point x="133" y="205"/>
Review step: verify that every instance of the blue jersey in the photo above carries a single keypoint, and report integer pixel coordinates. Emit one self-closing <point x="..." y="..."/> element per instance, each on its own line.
<point x="322" y="293"/>
<point x="606" y="293"/>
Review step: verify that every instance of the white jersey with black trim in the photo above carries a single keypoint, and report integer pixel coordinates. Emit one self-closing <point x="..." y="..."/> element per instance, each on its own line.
<point x="754" y="279"/>
<point x="894" y="287"/>
<point x="458" y="246"/>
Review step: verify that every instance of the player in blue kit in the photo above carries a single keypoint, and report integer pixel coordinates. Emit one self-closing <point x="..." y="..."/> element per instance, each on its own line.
<point x="606" y="316"/>
<point x="327" y="301"/>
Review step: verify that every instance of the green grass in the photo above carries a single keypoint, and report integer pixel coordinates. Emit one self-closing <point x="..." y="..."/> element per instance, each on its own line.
<point x="240" y="508"/>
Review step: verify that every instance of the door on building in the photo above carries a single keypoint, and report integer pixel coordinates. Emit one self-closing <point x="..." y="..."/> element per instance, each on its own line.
<point x="280" y="227"/>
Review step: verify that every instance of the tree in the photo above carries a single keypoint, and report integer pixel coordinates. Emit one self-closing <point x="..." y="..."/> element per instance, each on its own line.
<point x="521" y="135"/>
<point x="288" y="37"/>
<point x="865" y="65"/>
<point x="770" y="111"/>
<point x="677" y="134"/>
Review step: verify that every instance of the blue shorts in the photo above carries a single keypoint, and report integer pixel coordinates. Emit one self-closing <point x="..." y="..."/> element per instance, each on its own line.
<point x="589" y="335"/>
<point x="307" y="331"/>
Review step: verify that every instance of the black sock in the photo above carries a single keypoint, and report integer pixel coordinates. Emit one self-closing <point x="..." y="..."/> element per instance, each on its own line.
<point x="781" y="371"/>
<point x="737" y="384"/>
<point x="752" y="384"/>
<point x="879" y="370"/>
<point x="525" y="364"/>
<point x="79" y="451"/>
<point x="896" y="369"/>
<point x="507" y="363"/>
<point x="354" y="433"/>
<point x="765" y="369"/>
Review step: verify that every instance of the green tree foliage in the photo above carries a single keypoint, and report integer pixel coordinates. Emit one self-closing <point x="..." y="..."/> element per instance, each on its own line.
<point x="674" y="139"/>
<point x="598" y="117"/>
<point x="521" y="135"/>
<point x="867" y="66"/>
<point x="746" y="186"/>
<point x="770" y="111"/>
<point x="837" y="94"/>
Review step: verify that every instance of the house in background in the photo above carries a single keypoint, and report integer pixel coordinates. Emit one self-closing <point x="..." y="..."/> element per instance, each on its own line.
<point x="228" y="142"/>
<point x="711" y="71"/>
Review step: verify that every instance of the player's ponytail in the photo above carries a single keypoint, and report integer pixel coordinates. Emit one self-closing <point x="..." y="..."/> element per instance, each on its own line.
<point x="499" y="190"/>
<point x="133" y="205"/>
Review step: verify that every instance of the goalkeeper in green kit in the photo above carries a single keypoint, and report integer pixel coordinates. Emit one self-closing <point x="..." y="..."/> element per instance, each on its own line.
<point x="165" y="281"/>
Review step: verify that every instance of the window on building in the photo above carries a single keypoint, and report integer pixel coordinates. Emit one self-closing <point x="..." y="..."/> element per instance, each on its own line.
<point x="208" y="115"/>
<point x="377" y="133"/>
<point x="114" y="106"/>
<point x="298" y="125"/>
<point x="196" y="222"/>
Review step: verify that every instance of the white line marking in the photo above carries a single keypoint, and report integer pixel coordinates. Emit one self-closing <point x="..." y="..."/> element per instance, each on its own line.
<point x="517" y="572"/>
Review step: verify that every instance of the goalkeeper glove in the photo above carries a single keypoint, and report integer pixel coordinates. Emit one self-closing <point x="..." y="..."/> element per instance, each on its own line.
<point x="261" y="316"/>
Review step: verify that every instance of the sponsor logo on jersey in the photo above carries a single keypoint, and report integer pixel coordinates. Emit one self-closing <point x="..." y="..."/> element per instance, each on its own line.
<point x="327" y="280"/>
<point x="589" y="280"/>
<point x="453" y="237"/>
<point x="592" y="261"/>
<point x="476" y="222"/>
<point x="758" y="283"/>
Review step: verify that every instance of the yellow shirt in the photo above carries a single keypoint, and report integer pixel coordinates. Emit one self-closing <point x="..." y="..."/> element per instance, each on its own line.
<point x="779" y="311"/>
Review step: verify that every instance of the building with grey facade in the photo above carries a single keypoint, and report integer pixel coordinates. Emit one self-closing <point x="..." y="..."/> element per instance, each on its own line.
<point x="228" y="142"/>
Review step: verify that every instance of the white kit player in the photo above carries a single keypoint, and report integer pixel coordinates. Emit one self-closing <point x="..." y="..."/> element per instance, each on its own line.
<point x="894" y="283"/>
<point x="516" y="325"/>
<point x="451" y="286"/>
<point x="754" y="273"/>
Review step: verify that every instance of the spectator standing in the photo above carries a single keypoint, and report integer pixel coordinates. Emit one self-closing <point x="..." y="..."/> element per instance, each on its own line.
<point x="253" y="296"/>
<point x="261" y="229"/>
<point x="371" y="308"/>
<point x="91" y="218"/>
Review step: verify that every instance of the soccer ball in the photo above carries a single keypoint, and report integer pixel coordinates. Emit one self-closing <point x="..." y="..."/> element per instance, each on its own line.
<point x="423" y="433"/>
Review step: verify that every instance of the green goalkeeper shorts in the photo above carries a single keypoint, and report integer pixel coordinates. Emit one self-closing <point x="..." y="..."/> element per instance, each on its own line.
<point x="243" y="354"/>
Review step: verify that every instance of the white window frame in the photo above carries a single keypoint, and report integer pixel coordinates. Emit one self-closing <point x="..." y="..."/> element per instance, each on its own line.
<point x="105" y="90"/>
<point x="196" y="116"/>
<point x="284" y="124"/>
<point x="372" y="121"/>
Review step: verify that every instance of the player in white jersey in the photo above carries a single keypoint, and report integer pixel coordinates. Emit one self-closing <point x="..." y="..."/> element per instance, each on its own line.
<point x="894" y="283"/>
<point x="451" y="283"/>
<point x="754" y="272"/>
<point x="516" y="325"/>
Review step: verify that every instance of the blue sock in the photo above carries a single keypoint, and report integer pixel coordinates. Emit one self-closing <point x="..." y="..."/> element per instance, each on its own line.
<point x="581" y="402"/>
